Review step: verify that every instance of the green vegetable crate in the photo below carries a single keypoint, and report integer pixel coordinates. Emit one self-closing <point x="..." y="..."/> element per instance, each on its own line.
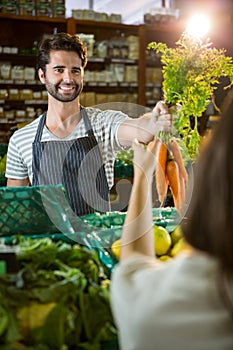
<point x="3" y="152"/>
<point x="58" y="299"/>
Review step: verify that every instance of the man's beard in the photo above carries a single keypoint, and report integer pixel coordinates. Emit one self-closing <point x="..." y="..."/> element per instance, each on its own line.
<point x="53" y="90"/>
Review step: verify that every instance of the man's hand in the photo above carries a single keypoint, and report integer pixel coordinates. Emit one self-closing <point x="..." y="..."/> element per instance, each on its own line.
<point x="145" y="128"/>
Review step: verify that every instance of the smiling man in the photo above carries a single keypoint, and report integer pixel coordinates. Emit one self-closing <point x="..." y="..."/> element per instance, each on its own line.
<point x="70" y="144"/>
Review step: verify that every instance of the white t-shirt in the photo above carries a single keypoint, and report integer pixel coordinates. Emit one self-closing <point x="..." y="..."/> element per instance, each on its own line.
<point x="104" y="125"/>
<point x="170" y="305"/>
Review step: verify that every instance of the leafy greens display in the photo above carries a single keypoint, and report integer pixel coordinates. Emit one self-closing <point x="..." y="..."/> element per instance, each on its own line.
<point x="59" y="299"/>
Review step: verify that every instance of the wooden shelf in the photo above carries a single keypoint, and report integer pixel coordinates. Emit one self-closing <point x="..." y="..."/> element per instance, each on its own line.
<point x="24" y="32"/>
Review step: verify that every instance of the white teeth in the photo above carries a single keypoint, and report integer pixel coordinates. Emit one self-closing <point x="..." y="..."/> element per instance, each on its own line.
<point x="66" y="88"/>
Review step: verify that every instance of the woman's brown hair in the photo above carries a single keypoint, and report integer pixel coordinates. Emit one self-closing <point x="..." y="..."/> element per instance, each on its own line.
<point x="209" y="224"/>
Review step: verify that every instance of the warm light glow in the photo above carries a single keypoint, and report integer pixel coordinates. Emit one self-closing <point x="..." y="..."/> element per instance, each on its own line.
<point x="198" y="25"/>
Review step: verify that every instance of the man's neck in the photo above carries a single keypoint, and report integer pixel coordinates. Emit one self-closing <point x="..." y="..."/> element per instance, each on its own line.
<point x="62" y="120"/>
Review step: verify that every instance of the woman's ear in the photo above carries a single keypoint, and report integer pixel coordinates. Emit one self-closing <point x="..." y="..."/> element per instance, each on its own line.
<point x="41" y="75"/>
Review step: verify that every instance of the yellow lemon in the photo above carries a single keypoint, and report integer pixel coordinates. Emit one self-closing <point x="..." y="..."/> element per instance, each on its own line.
<point x="180" y="246"/>
<point x="116" y="248"/>
<point x="162" y="240"/>
<point x="176" y="234"/>
<point x="165" y="258"/>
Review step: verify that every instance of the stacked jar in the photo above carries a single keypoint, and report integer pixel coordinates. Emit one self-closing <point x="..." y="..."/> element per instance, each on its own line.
<point x="58" y="8"/>
<point x="9" y="7"/>
<point x="43" y="8"/>
<point x="26" y="7"/>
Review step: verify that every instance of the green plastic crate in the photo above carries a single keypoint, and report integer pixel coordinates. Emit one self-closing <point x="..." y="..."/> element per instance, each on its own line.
<point x="30" y="210"/>
<point x="3" y="149"/>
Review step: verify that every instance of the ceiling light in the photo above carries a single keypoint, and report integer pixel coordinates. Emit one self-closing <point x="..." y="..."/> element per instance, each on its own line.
<point x="198" y="25"/>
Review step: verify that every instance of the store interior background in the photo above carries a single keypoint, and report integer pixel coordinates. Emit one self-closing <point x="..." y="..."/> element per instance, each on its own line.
<point x="133" y="11"/>
<point x="133" y="82"/>
<point x="218" y="12"/>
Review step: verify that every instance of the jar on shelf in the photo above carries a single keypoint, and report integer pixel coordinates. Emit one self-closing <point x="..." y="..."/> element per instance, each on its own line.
<point x="9" y="7"/>
<point x="43" y="11"/>
<point x="27" y="9"/>
<point x="59" y="11"/>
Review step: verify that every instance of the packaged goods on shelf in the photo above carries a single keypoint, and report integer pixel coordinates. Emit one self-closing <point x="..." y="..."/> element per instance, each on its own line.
<point x="59" y="11"/>
<point x="154" y="75"/>
<point x="77" y="14"/>
<point x="43" y="10"/>
<point x="17" y="73"/>
<point x="9" y="7"/>
<point x="131" y="74"/>
<point x="37" y="95"/>
<point x="25" y="94"/>
<point x="13" y="94"/>
<point x="89" y="41"/>
<point x="90" y="99"/>
<point x="27" y="2"/>
<point x="88" y="15"/>
<point x="101" y="48"/>
<point x="20" y="115"/>
<point x="29" y="73"/>
<point x="44" y="95"/>
<point x="162" y="15"/>
<point x="3" y="93"/>
<point x="1" y="113"/>
<point x="26" y="9"/>
<point x="133" y="45"/>
<point x="119" y="70"/>
<point x="58" y="2"/>
<point x="115" y="18"/>
<point x="30" y="112"/>
<point x="101" y="17"/>
<point x="9" y="115"/>
<point x="5" y="70"/>
<point x="91" y="15"/>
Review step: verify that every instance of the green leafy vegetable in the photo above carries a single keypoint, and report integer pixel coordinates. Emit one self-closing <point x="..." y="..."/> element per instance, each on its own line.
<point x="59" y="299"/>
<point x="191" y="73"/>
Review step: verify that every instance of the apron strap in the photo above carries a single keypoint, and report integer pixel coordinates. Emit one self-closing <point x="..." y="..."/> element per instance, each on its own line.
<point x="40" y="128"/>
<point x="87" y="122"/>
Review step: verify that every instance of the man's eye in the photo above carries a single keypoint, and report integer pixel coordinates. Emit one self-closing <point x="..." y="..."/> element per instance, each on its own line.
<point x="76" y="71"/>
<point x="59" y="70"/>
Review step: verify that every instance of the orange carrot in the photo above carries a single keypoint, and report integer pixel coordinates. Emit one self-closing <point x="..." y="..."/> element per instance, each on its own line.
<point x="175" y="150"/>
<point x="172" y="171"/>
<point x="160" y="172"/>
<point x="182" y="190"/>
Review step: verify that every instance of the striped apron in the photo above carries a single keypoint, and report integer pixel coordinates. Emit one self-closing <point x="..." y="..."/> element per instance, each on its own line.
<point x="77" y="164"/>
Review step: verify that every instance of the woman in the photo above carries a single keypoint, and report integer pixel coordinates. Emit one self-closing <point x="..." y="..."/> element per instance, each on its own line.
<point x="186" y="303"/>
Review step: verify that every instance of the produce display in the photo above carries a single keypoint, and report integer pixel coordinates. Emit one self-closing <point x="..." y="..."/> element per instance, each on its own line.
<point x="168" y="244"/>
<point x="26" y="209"/>
<point x="62" y="288"/>
<point x="3" y="164"/>
<point x="123" y="166"/>
<point x="3" y="154"/>
<point x="58" y="299"/>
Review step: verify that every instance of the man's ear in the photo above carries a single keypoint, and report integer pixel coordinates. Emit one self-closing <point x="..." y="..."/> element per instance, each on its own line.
<point x="41" y="75"/>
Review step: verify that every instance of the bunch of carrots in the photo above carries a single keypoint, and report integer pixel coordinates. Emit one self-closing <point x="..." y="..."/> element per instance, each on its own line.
<point x="170" y="171"/>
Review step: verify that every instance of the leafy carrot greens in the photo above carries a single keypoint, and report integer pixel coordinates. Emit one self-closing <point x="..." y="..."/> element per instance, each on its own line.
<point x="191" y="73"/>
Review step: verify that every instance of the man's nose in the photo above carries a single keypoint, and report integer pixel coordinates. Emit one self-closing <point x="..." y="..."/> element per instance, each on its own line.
<point x="67" y="77"/>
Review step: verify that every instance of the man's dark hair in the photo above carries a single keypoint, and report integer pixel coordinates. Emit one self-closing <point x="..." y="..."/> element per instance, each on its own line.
<point x="57" y="42"/>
